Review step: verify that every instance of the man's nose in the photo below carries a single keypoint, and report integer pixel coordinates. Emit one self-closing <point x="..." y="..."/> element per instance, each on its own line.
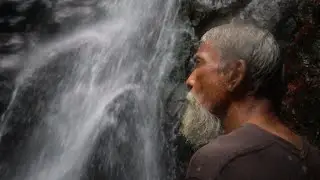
<point x="190" y="82"/>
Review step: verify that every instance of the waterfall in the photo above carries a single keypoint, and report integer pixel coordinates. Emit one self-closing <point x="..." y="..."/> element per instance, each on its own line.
<point x="96" y="88"/>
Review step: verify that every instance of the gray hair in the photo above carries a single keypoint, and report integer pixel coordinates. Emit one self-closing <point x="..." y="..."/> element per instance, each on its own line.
<point x="257" y="47"/>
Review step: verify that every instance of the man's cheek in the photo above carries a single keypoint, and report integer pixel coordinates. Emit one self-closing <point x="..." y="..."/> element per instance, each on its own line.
<point x="197" y="90"/>
<point x="205" y="101"/>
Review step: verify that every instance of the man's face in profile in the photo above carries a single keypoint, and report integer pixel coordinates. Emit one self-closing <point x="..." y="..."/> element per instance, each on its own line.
<point x="207" y="94"/>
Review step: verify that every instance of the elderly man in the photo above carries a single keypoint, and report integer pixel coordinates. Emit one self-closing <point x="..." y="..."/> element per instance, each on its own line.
<point x="236" y="90"/>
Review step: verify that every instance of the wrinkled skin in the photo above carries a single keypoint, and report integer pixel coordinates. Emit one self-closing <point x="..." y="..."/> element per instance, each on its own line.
<point x="207" y="98"/>
<point x="206" y="81"/>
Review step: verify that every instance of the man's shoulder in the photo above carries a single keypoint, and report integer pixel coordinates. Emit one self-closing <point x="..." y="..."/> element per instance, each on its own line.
<point x="313" y="159"/>
<point x="314" y="150"/>
<point x="211" y="158"/>
<point x="238" y="142"/>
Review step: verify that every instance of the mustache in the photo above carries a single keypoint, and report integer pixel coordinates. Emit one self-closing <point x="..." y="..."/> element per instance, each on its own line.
<point x="192" y="99"/>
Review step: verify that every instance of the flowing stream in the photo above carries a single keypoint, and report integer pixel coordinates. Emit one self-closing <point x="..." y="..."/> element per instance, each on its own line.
<point x="96" y="85"/>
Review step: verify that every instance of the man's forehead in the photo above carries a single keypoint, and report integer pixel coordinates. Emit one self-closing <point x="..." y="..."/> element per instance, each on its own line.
<point x="205" y="46"/>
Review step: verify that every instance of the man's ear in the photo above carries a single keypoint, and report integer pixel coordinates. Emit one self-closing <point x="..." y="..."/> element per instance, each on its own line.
<point x="236" y="74"/>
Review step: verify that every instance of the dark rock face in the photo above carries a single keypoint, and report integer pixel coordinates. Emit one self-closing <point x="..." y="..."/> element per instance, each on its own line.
<point x="12" y="42"/>
<point x="20" y="21"/>
<point x="22" y="15"/>
<point x="266" y="14"/>
<point x="70" y="13"/>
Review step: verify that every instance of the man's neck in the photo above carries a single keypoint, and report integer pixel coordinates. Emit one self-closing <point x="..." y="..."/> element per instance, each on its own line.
<point x="260" y="113"/>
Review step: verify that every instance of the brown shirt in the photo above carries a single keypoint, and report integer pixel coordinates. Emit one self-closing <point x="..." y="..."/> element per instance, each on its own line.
<point x="251" y="153"/>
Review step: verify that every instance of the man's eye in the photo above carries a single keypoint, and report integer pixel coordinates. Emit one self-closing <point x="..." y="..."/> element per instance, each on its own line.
<point x="192" y="63"/>
<point x="197" y="61"/>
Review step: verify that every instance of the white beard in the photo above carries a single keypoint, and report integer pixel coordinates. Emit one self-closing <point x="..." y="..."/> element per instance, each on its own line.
<point x="198" y="125"/>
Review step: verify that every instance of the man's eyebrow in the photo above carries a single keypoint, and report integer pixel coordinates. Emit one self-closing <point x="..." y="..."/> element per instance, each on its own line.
<point x="199" y="57"/>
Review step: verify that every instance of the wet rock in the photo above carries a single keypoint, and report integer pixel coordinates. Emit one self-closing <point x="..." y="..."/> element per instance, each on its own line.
<point x="22" y="15"/>
<point x="11" y="43"/>
<point x="19" y="21"/>
<point x="69" y="14"/>
<point x="12" y="46"/>
<point x="207" y="13"/>
<point x="6" y="88"/>
<point x="266" y="14"/>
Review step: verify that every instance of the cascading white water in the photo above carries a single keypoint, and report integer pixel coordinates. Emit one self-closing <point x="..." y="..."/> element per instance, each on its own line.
<point x="119" y="60"/>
